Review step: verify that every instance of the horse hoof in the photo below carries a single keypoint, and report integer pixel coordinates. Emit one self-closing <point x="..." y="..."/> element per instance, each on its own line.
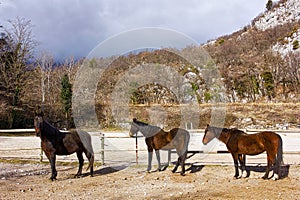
<point x="245" y="175"/>
<point x="275" y="177"/>
<point x="77" y="175"/>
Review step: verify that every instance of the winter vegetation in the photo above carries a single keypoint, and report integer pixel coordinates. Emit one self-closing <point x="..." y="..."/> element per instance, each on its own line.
<point x="259" y="65"/>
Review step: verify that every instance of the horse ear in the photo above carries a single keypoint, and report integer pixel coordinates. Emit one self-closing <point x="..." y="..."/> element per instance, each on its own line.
<point x="39" y="112"/>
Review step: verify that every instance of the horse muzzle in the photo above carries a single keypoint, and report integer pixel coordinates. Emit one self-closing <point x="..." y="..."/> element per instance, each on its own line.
<point x="206" y="140"/>
<point x="37" y="132"/>
<point x="132" y="134"/>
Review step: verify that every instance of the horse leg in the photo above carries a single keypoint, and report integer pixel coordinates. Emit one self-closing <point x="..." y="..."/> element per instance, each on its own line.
<point x="276" y="169"/>
<point x="272" y="162"/>
<point x="52" y="159"/>
<point x="169" y="158"/>
<point x="90" y="157"/>
<point x="80" y="159"/>
<point x="242" y="160"/>
<point x="236" y="165"/>
<point x="158" y="159"/>
<point x="183" y="158"/>
<point x="177" y="164"/>
<point x="150" y="155"/>
<point x="269" y="160"/>
<point x="278" y="156"/>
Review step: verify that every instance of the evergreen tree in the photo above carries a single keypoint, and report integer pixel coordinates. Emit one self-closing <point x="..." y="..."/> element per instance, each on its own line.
<point x="66" y="97"/>
<point x="269" y="5"/>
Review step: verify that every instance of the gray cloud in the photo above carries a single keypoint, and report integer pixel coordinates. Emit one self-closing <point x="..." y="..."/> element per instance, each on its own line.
<point x="73" y="27"/>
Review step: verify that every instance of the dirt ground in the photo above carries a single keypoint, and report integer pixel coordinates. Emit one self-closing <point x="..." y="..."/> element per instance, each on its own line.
<point x="31" y="181"/>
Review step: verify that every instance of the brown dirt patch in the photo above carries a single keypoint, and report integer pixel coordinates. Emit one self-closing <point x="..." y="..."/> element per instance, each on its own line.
<point x="31" y="181"/>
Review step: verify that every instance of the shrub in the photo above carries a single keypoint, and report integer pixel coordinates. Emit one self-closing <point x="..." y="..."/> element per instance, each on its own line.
<point x="295" y="45"/>
<point x="221" y="41"/>
<point x="269" y="5"/>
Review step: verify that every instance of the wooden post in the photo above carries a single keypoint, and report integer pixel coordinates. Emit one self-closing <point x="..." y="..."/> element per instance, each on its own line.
<point x="169" y="157"/>
<point x="136" y="151"/>
<point x="41" y="155"/>
<point x="102" y="148"/>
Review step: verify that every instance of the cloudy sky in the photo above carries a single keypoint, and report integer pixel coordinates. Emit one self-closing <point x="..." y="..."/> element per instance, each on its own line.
<point x="68" y="28"/>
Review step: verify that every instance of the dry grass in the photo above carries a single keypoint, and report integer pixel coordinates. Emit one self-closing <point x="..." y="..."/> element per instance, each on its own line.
<point x="264" y="115"/>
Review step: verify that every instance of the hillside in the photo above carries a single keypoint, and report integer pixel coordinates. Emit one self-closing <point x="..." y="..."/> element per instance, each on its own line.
<point x="285" y="12"/>
<point x="261" y="61"/>
<point x="254" y="71"/>
<point x="259" y="67"/>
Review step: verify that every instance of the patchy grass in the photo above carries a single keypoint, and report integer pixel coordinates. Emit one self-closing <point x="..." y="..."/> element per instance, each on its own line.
<point x="19" y="134"/>
<point x="46" y="162"/>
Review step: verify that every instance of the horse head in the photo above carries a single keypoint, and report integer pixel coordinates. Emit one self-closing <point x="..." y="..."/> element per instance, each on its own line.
<point x="209" y="135"/>
<point x="38" y="122"/>
<point x="134" y="128"/>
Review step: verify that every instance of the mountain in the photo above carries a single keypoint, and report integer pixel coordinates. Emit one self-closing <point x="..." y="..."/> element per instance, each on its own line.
<point x="287" y="11"/>
<point x="258" y="64"/>
<point x="284" y="12"/>
<point x="261" y="61"/>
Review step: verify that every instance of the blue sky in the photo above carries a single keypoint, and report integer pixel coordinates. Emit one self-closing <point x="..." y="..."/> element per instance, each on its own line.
<point x="68" y="28"/>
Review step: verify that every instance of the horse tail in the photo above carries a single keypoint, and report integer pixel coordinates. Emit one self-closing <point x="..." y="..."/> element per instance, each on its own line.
<point x="279" y="159"/>
<point x="86" y="140"/>
<point x="187" y="140"/>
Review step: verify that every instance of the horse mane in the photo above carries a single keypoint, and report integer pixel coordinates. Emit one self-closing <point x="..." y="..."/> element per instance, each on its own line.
<point x="51" y="132"/>
<point x="231" y="130"/>
<point x="218" y="130"/>
<point x="49" y="125"/>
<point x="140" y="123"/>
<point x="236" y="131"/>
<point x="149" y="130"/>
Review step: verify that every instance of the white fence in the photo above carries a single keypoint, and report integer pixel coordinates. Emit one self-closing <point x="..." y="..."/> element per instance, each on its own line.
<point x="116" y="147"/>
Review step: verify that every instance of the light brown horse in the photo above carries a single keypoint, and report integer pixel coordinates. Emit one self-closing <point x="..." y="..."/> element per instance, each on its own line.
<point x="157" y="139"/>
<point x="240" y="143"/>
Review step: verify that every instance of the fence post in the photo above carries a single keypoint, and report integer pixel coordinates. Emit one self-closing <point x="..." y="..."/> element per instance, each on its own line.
<point x="41" y="155"/>
<point x="136" y="151"/>
<point x="102" y="148"/>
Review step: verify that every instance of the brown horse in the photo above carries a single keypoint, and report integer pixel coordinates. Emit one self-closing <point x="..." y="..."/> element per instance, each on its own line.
<point x="240" y="143"/>
<point x="55" y="142"/>
<point x="157" y="139"/>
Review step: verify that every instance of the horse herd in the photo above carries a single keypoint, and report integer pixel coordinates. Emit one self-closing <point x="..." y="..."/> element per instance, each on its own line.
<point x="238" y="143"/>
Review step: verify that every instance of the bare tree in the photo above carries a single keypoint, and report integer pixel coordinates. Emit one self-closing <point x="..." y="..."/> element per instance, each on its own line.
<point x="16" y="52"/>
<point x="45" y="64"/>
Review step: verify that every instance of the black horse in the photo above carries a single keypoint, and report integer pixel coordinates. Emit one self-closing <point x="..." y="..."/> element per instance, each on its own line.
<point x="55" y="142"/>
<point x="157" y="139"/>
<point x="240" y="144"/>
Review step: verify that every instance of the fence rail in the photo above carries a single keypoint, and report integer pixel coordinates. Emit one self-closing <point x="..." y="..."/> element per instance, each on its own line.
<point x="106" y="145"/>
<point x="17" y="130"/>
